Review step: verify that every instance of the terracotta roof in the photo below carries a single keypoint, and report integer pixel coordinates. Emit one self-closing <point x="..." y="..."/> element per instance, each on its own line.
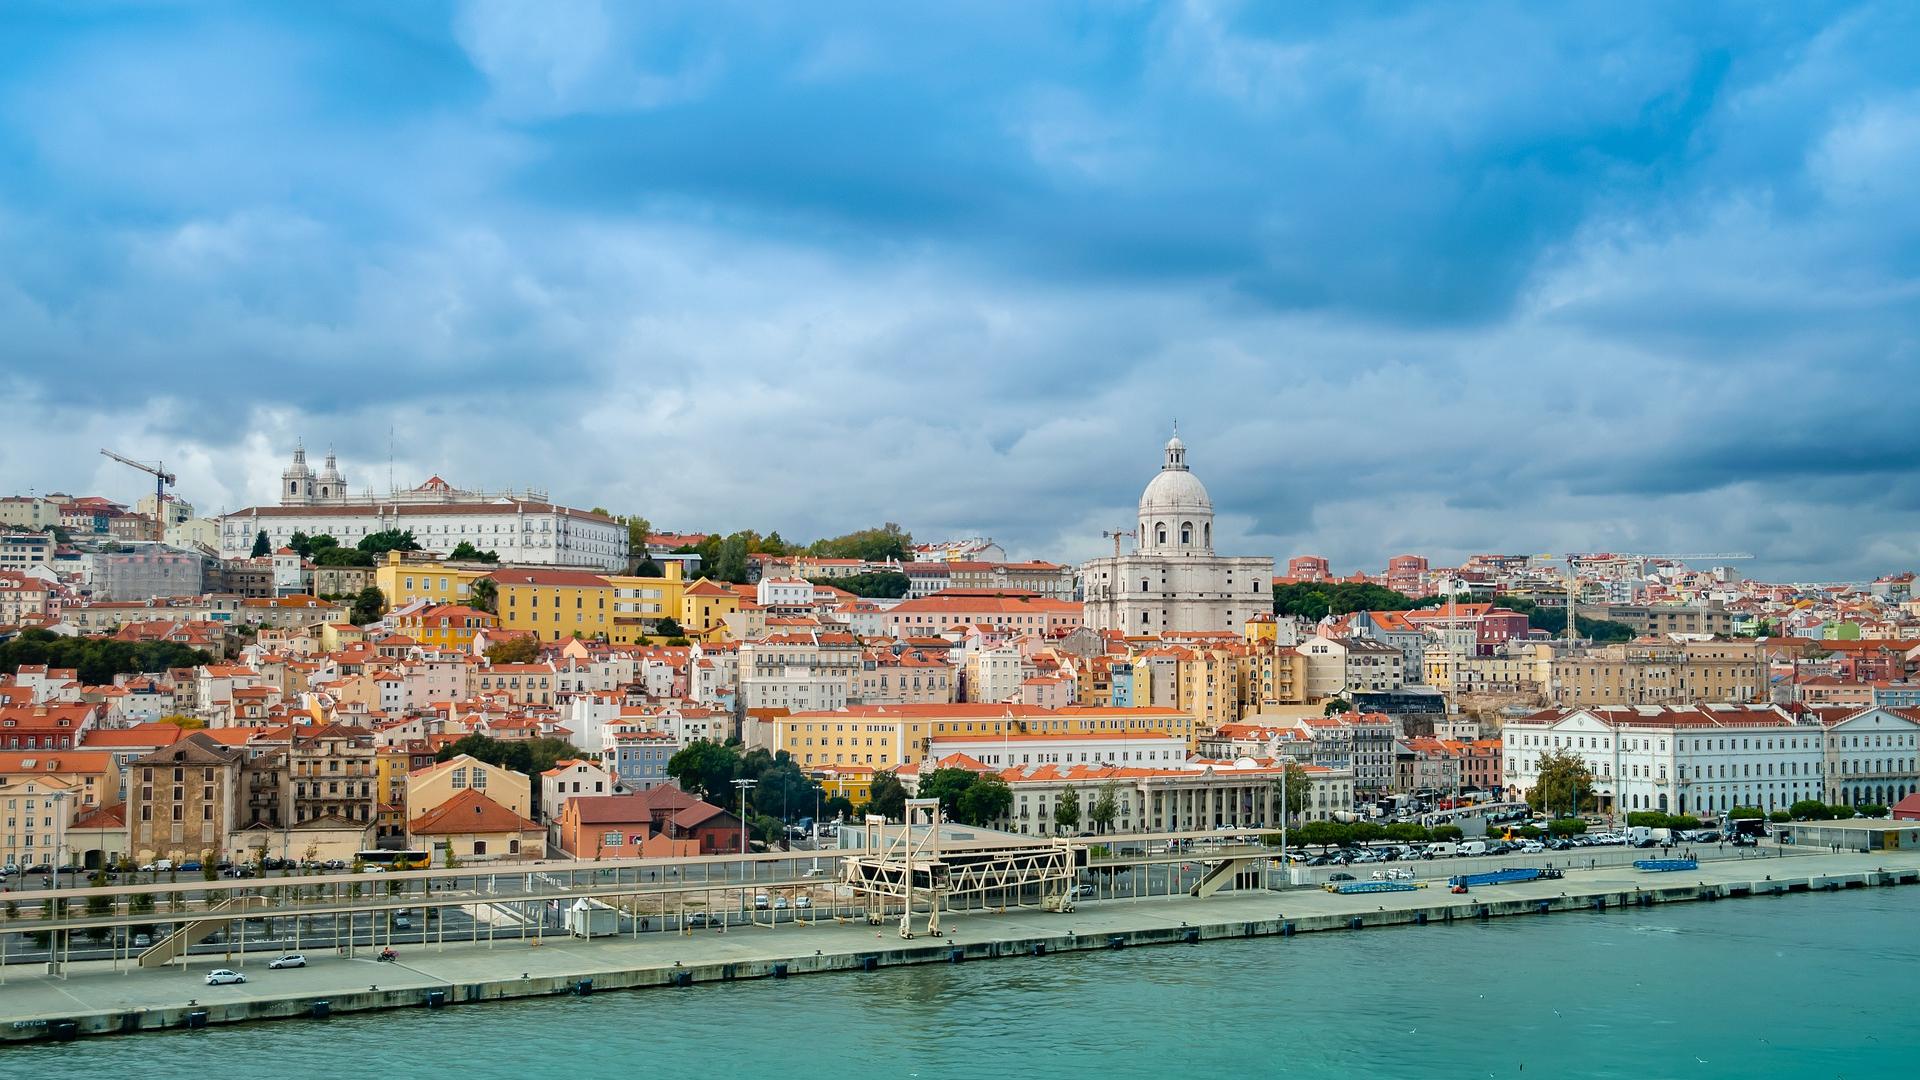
<point x="470" y="812"/>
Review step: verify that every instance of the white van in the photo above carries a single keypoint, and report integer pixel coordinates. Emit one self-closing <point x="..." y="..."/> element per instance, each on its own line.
<point x="1442" y="850"/>
<point x="1474" y="847"/>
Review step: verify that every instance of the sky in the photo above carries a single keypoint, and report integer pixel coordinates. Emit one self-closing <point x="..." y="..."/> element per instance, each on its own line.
<point x="1412" y="278"/>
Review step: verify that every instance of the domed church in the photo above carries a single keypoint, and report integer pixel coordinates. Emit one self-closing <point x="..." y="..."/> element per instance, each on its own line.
<point x="1172" y="581"/>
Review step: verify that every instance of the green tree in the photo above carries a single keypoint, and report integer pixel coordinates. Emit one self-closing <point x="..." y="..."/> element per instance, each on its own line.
<point x="368" y="605"/>
<point x="648" y="568"/>
<point x="1447" y="832"/>
<point x="1871" y="810"/>
<point x="1810" y="810"/>
<point x="985" y="801"/>
<point x="1407" y="832"/>
<point x="1299" y="790"/>
<point x="342" y="556"/>
<point x="1106" y="807"/>
<point x="706" y="769"/>
<point x="639" y="530"/>
<point x="1066" y="811"/>
<point x="1563" y="786"/>
<point x="484" y="596"/>
<point x="949" y="786"/>
<point x="1746" y="813"/>
<point x="301" y="543"/>
<point x="1321" y="834"/>
<point x="889" y="541"/>
<point x="1336" y="706"/>
<point x="1366" y="832"/>
<point x="260" y="544"/>
<point x="1840" y="812"/>
<point x="465" y="552"/>
<point x="783" y="790"/>
<point x="884" y="584"/>
<point x="386" y="540"/>
<point x="887" y="797"/>
<point x="514" y="650"/>
<point x="1566" y="826"/>
<point x="730" y="560"/>
<point x="1316" y="600"/>
<point x="667" y="627"/>
<point x="96" y="660"/>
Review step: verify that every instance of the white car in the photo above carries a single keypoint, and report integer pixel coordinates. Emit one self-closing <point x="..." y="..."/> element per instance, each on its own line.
<point x="290" y="960"/>
<point x="222" y="976"/>
<point x="803" y="900"/>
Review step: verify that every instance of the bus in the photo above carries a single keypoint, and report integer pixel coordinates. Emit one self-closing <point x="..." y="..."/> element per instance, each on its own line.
<point x="389" y="859"/>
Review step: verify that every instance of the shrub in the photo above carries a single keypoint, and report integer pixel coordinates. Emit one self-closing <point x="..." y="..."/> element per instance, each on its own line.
<point x="1567" y="826"/>
<point x="1779" y="817"/>
<point x="1447" y="832"/>
<point x="1839" y="812"/>
<point x="1871" y="810"/>
<point x="1746" y="813"/>
<point x="1811" y="810"/>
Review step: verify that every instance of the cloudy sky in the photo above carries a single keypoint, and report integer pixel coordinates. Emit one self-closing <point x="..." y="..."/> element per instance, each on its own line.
<point x="1558" y="277"/>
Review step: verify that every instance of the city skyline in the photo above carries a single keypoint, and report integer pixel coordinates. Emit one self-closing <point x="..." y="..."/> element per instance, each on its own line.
<point x="1552" y="281"/>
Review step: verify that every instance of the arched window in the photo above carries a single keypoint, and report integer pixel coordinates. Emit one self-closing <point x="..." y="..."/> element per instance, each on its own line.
<point x="1143" y="618"/>
<point x="1186" y="533"/>
<point x="1160" y="533"/>
<point x="1206" y="531"/>
<point x="1143" y="584"/>
<point x="479" y="847"/>
<point x="293" y="486"/>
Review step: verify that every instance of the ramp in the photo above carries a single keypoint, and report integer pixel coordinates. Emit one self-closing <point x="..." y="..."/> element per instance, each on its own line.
<point x="216" y="918"/>
<point x="1223" y="873"/>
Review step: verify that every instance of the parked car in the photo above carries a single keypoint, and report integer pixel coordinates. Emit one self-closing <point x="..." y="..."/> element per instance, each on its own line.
<point x="401" y="922"/>
<point x="803" y="901"/>
<point x="1082" y="892"/>
<point x="224" y="976"/>
<point x="760" y="902"/>
<point x="192" y="865"/>
<point x="288" y="960"/>
<point x="141" y="941"/>
<point x="1340" y="877"/>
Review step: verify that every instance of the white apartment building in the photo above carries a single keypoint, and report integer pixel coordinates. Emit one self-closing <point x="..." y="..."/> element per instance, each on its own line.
<point x="1705" y="760"/>
<point x="1143" y="749"/>
<point x="805" y="672"/>
<point x="1191" y="797"/>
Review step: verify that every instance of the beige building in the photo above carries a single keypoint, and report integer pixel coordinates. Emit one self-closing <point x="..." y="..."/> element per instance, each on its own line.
<point x="438" y="783"/>
<point x="181" y="800"/>
<point x="1638" y="673"/>
<point x="1707" y="618"/>
<point x="887" y="736"/>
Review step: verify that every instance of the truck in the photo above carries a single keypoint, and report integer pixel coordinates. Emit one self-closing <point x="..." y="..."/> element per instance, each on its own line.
<point x="1644" y="836"/>
<point x="1754" y="827"/>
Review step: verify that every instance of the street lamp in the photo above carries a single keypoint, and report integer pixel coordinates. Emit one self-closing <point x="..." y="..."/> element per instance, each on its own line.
<point x="742" y="784"/>
<point x="59" y="837"/>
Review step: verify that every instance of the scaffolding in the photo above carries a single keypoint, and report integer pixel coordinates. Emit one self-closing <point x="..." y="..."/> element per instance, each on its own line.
<point x="908" y="867"/>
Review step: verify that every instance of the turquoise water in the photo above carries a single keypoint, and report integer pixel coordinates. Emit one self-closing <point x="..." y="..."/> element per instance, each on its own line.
<point x="1814" y="986"/>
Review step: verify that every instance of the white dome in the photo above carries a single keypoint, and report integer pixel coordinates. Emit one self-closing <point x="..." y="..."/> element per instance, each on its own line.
<point x="1175" y="490"/>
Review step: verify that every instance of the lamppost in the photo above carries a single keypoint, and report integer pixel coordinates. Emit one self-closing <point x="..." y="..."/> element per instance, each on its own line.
<point x="59" y="837"/>
<point x="742" y="784"/>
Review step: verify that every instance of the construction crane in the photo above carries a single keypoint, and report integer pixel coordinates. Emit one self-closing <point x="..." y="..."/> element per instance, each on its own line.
<point x="1116" y="534"/>
<point x="162" y="480"/>
<point x="1572" y="578"/>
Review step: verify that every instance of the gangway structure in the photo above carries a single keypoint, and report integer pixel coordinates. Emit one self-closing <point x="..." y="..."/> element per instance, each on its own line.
<point x="913" y="865"/>
<point x="220" y="916"/>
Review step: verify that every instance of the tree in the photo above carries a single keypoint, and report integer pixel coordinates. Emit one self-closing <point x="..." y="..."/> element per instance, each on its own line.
<point x="1407" y="832"/>
<point x="1298" y="790"/>
<point x="1106" y="807"/>
<point x="301" y="543"/>
<point x="1746" y="813"/>
<point x="1365" y="832"/>
<point x="1322" y="834"/>
<point x="667" y="627"/>
<point x="783" y="789"/>
<point x="341" y="556"/>
<point x="1066" y="811"/>
<point x="514" y="650"/>
<point x="706" y="769"/>
<point x="1566" y="826"/>
<point x="1317" y="600"/>
<point x="1810" y="810"/>
<point x="986" y="801"/>
<point x="368" y="605"/>
<point x="386" y="540"/>
<point x="465" y="552"/>
<point x="529" y="756"/>
<point x="1447" y="832"/>
<point x="884" y="584"/>
<point x="639" y="530"/>
<point x="484" y="596"/>
<point x="648" y="568"/>
<point x="887" y="797"/>
<point x="1336" y="706"/>
<point x="1563" y="785"/>
<point x="96" y="660"/>
<point x="730" y="560"/>
<point x="949" y="786"/>
<point x="888" y="542"/>
<point x="260" y="544"/>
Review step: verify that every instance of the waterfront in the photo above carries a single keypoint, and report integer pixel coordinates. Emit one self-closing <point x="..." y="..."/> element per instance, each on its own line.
<point x="1792" y="986"/>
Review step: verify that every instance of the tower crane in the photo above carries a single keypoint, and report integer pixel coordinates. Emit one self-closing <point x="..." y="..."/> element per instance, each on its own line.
<point x="162" y="480"/>
<point x="1115" y="535"/>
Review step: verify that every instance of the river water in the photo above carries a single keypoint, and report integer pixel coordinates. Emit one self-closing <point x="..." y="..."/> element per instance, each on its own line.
<point x="1796" y="986"/>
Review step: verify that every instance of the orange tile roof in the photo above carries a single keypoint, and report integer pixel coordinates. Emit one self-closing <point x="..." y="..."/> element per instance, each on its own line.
<point x="469" y="812"/>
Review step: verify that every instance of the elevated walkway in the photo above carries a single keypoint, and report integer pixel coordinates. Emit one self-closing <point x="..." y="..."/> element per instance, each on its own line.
<point x="218" y="917"/>
<point x="1227" y="871"/>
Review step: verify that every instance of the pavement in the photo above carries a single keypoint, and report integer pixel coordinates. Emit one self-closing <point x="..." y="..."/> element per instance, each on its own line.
<point x="29" y="995"/>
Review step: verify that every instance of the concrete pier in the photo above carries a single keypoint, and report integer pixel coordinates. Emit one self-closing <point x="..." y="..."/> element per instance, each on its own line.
<point x="96" y="999"/>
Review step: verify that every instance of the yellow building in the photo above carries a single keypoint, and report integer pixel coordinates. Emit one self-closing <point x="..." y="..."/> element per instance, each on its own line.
<point x="437" y="783"/>
<point x="887" y="736"/>
<point x="446" y="626"/>
<point x="704" y="607"/>
<point x="851" y="782"/>
<point x="558" y="604"/>
<point x="411" y="575"/>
